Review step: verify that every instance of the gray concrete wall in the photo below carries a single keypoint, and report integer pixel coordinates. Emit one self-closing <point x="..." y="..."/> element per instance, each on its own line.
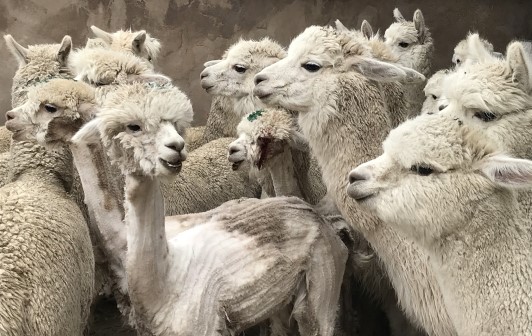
<point x="194" y="31"/>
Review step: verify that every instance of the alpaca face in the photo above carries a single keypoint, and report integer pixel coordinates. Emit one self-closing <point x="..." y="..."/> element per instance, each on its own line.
<point x="53" y="112"/>
<point x="433" y="92"/>
<point x="233" y="75"/>
<point x="493" y="97"/>
<point x="431" y="165"/>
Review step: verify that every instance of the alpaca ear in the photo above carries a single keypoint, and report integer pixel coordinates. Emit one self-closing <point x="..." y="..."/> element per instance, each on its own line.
<point x="419" y="23"/>
<point x="520" y="65"/>
<point x="340" y="26"/>
<point x="20" y="53"/>
<point x="386" y="72"/>
<point x="398" y="16"/>
<point x="89" y="133"/>
<point x="64" y="50"/>
<point x="105" y="36"/>
<point x="507" y="171"/>
<point x="138" y="41"/>
<point x="477" y="48"/>
<point x="211" y="63"/>
<point x="366" y="29"/>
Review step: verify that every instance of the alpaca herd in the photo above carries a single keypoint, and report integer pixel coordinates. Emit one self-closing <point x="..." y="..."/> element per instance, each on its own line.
<point x="339" y="185"/>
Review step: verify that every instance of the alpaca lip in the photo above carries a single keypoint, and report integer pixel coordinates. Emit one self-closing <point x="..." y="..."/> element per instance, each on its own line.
<point x="172" y="166"/>
<point x="354" y="191"/>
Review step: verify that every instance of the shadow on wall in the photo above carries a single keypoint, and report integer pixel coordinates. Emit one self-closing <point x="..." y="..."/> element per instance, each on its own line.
<point x="195" y="31"/>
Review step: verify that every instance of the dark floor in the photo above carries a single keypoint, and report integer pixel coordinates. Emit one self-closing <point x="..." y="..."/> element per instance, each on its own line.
<point x="106" y="320"/>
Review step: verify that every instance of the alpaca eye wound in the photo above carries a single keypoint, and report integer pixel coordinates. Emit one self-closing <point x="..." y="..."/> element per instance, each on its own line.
<point x="50" y="108"/>
<point x="422" y="169"/>
<point x="311" y="66"/>
<point x="403" y="44"/>
<point x="133" y="128"/>
<point x="485" y="116"/>
<point x="239" y="68"/>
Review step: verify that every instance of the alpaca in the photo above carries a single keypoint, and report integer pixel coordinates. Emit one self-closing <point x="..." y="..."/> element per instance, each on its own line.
<point x="230" y="81"/>
<point x="445" y="186"/>
<point x="61" y="274"/>
<point x="473" y="49"/>
<point x="433" y="91"/>
<point x="139" y="43"/>
<point x="339" y="106"/>
<point x="411" y="41"/>
<point x="246" y="275"/>
<point x="495" y="96"/>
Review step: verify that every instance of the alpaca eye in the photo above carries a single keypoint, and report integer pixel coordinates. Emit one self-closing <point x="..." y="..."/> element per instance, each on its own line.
<point x="457" y="61"/>
<point x="434" y="97"/>
<point x="403" y="44"/>
<point x="239" y="68"/>
<point x="149" y="58"/>
<point x="485" y="116"/>
<point x="133" y="128"/>
<point x="311" y="66"/>
<point x="50" y="108"/>
<point x="422" y="170"/>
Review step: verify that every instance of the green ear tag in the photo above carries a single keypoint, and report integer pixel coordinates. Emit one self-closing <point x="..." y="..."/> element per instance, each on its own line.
<point x="255" y="115"/>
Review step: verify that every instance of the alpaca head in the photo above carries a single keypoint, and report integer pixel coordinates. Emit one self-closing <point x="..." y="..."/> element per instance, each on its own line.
<point x="473" y="49"/>
<point x="263" y="134"/>
<point x="139" y="43"/>
<point x="48" y="58"/>
<point x="433" y="91"/>
<point x="101" y="66"/>
<point x="53" y="112"/>
<point x="410" y="41"/>
<point x="233" y="75"/>
<point x="434" y="165"/>
<point x="314" y="61"/>
<point x="495" y="96"/>
<point x="141" y="126"/>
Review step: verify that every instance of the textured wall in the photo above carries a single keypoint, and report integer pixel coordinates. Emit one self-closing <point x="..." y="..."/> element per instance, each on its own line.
<point x="194" y="31"/>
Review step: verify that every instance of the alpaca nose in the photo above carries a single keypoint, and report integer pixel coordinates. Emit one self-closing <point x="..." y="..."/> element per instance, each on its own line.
<point x="260" y="78"/>
<point x="203" y="75"/>
<point x="233" y="149"/>
<point x="176" y="145"/>
<point x="441" y="107"/>
<point x="10" y="115"/>
<point x="355" y="176"/>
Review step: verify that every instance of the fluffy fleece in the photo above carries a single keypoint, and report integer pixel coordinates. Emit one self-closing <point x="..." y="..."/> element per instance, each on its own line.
<point x="340" y="108"/>
<point x="139" y="43"/>
<point x="46" y="257"/>
<point x="473" y="49"/>
<point x="433" y="91"/>
<point x="444" y="185"/>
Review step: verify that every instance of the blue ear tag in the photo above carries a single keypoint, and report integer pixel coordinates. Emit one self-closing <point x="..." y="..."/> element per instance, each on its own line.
<point x="255" y="115"/>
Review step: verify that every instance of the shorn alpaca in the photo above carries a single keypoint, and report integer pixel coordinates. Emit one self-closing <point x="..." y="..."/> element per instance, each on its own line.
<point x="238" y="264"/>
<point x="339" y="108"/>
<point x="445" y="186"/>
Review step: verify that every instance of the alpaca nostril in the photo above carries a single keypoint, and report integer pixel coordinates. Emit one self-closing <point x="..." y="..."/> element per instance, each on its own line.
<point x="259" y="79"/>
<point x="441" y="107"/>
<point x="354" y="177"/>
<point x="203" y="75"/>
<point x="176" y="146"/>
<point x="10" y="115"/>
<point x="233" y="150"/>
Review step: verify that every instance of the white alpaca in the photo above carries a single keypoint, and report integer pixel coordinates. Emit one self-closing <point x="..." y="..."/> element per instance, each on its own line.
<point x="238" y="264"/>
<point x="443" y="184"/>
<point x="342" y="107"/>
<point x="412" y="43"/>
<point x="139" y="43"/>
<point x="433" y="91"/>
<point x="473" y="49"/>
<point x="230" y="81"/>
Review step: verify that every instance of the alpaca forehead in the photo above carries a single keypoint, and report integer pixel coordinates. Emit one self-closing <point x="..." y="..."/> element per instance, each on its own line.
<point x="400" y="31"/>
<point x="47" y="51"/>
<point x="254" y="51"/>
<point x="314" y="40"/>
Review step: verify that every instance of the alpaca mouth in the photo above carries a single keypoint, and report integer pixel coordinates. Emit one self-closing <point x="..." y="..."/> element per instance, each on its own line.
<point x="236" y="165"/>
<point x="173" y="166"/>
<point x="354" y="191"/>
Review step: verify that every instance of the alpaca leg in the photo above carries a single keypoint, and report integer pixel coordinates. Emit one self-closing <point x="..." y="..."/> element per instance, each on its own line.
<point x="317" y="303"/>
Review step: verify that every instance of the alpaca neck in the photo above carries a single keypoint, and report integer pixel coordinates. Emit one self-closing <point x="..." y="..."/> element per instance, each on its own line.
<point x="148" y="251"/>
<point x="104" y="207"/>
<point x="245" y="105"/>
<point x="283" y="176"/>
